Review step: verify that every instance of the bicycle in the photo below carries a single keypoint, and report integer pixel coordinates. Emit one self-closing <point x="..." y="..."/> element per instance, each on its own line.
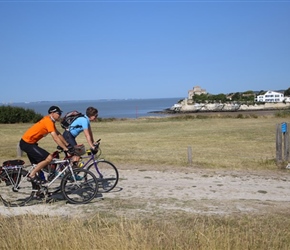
<point x="78" y="186"/>
<point x="105" y="171"/>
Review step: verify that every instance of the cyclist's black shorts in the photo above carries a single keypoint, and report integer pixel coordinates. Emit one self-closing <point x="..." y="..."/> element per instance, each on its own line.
<point x="34" y="153"/>
<point x="69" y="138"/>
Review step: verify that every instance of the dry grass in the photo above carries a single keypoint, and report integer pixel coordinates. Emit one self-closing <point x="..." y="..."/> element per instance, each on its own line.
<point x="179" y="231"/>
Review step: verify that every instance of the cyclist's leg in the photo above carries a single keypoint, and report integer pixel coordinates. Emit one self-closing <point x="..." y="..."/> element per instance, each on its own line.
<point x="69" y="138"/>
<point x="72" y="142"/>
<point x="41" y="165"/>
<point x="36" y="155"/>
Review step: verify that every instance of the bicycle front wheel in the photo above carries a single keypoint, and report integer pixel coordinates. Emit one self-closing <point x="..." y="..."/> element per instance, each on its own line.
<point x="79" y="188"/>
<point x="106" y="173"/>
<point x="14" y="188"/>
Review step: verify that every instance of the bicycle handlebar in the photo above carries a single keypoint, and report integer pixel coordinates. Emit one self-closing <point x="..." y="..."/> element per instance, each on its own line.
<point x="70" y="154"/>
<point x="97" y="142"/>
<point x="66" y="153"/>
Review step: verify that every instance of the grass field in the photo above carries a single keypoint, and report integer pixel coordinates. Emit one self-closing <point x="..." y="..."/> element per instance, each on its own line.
<point x="244" y="143"/>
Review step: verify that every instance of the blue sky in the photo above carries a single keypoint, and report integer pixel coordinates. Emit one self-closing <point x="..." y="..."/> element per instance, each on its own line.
<point x="83" y="50"/>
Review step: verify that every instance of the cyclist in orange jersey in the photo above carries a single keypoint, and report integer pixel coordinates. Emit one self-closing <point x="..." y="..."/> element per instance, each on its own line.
<point x="29" y="142"/>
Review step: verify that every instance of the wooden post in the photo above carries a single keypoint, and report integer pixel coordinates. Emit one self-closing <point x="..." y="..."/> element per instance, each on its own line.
<point x="18" y="151"/>
<point x="189" y="156"/>
<point x="286" y="146"/>
<point x="278" y="144"/>
<point x="282" y="145"/>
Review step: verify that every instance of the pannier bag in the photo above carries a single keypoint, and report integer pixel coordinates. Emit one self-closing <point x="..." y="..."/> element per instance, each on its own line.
<point x="13" y="163"/>
<point x="80" y="149"/>
<point x="13" y="176"/>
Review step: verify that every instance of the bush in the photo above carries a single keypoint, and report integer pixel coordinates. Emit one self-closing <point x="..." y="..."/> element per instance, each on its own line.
<point x="9" y="115"/>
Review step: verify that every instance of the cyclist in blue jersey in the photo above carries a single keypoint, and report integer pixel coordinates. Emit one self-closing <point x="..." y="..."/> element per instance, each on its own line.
<point x="82" y="124"/>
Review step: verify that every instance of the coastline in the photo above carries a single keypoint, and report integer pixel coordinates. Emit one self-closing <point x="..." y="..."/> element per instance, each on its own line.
<point x="261" y="112"/>
<point x="186" y="107"/>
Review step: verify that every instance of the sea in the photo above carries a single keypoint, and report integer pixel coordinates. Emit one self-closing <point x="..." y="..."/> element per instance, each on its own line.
<point x="117" y="108"/>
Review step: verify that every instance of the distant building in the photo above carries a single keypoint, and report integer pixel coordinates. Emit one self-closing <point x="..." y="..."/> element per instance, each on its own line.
<point x="270" y="96"/>
<point x="197" y="90"/>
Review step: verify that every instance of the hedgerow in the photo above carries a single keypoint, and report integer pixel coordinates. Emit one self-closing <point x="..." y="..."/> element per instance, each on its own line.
<point x="10" y="114"/>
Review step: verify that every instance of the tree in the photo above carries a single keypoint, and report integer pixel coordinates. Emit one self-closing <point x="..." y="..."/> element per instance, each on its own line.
<point x="287" y="92"/>
<point x="237" y="96"/>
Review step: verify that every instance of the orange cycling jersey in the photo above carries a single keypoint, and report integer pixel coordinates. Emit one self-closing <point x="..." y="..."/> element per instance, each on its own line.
<point x="39" y="130"/>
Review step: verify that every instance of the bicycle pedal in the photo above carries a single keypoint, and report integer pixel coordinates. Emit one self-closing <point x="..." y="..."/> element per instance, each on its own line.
<point x="40" y="196"/>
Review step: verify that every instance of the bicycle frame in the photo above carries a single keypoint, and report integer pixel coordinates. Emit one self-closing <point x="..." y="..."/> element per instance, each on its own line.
<point x="14" y="182"/>
<point x="91" y="159"/>
<point x="78" y="186"/>
<point x="106" y="173"/>
<point x="63" y="163"/>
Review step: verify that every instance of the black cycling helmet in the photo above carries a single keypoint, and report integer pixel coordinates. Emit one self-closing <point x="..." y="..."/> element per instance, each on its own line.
<point x="54" y="109"/>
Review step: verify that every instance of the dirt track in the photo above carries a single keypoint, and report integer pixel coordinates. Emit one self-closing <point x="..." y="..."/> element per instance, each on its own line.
<point x="145" y="192"/>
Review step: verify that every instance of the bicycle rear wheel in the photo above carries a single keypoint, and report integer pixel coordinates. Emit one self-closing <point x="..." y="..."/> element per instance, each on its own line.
<point x="14" y="188"/>
<point x="79" y="188"/>
<point x="106" y="173"/>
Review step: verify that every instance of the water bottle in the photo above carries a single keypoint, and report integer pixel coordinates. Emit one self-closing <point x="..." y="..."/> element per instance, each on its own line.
<point x="81" y="164"/>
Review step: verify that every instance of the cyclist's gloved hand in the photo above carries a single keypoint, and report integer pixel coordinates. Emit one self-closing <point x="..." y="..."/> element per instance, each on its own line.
<point x="94" y="150"/>
<point x="71" y="150"/>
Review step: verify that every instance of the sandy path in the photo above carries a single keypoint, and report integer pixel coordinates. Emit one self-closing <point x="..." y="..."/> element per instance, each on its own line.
<point x="191" y="190"/>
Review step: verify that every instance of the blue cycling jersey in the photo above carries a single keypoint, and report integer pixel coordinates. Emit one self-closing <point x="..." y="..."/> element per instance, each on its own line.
<point x="79" y="125"/>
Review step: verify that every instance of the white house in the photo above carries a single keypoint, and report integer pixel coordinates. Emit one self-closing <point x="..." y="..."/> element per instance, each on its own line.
<point x="270" y="96"/>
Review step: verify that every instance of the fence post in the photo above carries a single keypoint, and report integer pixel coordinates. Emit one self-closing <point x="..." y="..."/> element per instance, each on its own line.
<point x="282" y="144"/>
<point x="286" y="145"/>
<point x="278" y="144"/>
<point x="189" y="156"/>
